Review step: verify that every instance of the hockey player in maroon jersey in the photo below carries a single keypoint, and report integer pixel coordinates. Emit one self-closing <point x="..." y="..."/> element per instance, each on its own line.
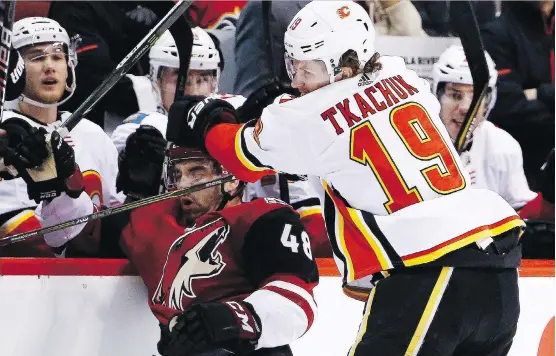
<point x="220" y="274"/>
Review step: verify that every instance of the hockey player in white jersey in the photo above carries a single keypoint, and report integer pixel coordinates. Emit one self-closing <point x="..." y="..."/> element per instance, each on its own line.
<point x="492" y="157"/>
<point x="50" y="61"/>
<point x="149" y="147"/>
<point x="203" y="76"/>
<point x="400" y="210"/>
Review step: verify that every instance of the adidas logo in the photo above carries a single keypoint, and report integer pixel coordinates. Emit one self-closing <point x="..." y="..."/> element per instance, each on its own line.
<point x="365" y="80"/>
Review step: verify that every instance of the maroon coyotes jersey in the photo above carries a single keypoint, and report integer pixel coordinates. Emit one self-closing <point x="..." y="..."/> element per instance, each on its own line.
<point x="225" y="255"/>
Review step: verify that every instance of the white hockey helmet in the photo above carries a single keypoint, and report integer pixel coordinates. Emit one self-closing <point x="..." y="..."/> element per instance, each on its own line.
<point x="204" y="54"/>
<point x="325" y="30"/>
<point x="452" y="67"/>
<point x="32" y="31"/>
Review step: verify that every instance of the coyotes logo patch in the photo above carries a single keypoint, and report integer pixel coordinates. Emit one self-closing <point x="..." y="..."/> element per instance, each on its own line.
<point x="183" y="267"/>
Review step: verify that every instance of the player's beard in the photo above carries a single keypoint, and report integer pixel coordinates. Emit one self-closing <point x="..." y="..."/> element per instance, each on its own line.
<point x="51" y="96"/>
<point x="197" y="204"/>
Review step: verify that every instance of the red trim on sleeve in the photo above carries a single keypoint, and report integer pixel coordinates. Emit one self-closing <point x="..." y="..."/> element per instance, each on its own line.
<point x="295" y="298"/>
<point x="221" y="144"/>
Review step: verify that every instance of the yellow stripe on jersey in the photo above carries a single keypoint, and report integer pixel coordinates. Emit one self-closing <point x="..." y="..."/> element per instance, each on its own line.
<point x="342" y="237"/>
<point x="377" y="247"/>
<point x="241" y="156"/>
<point x="306" y="211"/>
<point x="15" y="221"/>
<point x="463" y="240"/>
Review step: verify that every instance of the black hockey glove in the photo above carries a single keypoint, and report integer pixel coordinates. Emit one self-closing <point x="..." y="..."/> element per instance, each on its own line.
<point x="19" y="137"/>
<point x="45" y="162"/>
<point x="253" y="107"/>
<point x="206" y="327"/>
<point x="190" y="119"/>
<point x="140" y="163"/>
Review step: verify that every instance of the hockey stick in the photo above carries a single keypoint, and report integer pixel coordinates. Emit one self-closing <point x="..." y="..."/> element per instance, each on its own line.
<point x="114" y="210"/>
<point x="7" y="13"/>
<point x="465" y="23"/>
<point x="176" y="23"/>
<point x="123" y="67"/>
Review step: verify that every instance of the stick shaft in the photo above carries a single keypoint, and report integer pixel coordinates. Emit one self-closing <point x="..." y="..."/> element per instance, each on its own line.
<point x="123" y="67"/>
<point x="7" y="13"/>
<point x="114" y="210"/>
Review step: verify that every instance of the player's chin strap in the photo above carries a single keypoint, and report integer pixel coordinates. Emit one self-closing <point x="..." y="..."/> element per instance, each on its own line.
<point x="226" y="197"/>
<point x="70" y="89"/>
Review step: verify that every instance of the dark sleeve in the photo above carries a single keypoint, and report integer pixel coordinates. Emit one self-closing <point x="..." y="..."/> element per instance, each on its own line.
<point x="96" y="61"/>
<point x="101" y="238"/>
<point x="277" y="244"/>
<point x="252" y="66"/>
<point x="513" y="111"/>
<point x="255" y="65"/>
<point x="111" y="231"/>
<point x="545" y="93"/>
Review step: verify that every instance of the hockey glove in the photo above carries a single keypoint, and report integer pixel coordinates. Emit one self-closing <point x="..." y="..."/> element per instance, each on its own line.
<point x="231" y="325"/>
<point x="47" y="164"/>
<point x="260" y="99"/>
<point x="190" y="119"/>
<point x="18" y="135"/>
<point x="140" y="163"/>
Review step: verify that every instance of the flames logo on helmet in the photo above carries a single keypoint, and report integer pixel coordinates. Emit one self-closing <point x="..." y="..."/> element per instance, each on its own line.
<point x="343" y="12"/>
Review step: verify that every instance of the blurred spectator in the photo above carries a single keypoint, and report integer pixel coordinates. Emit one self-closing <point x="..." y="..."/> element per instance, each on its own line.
<point x="109" y="30"/>
<point x="31" y="9"/>
<point x="259" y="47"/>
<point x="521" y="42"/>
<point x="260" y="36"/>
<point x="395" y="18"/>
<point x="216" y="15"/>
<point x="435" y="15"/>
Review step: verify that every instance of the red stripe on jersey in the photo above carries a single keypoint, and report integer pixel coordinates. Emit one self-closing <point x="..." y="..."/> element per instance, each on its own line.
<point x="292" y="296"/>
<point x="353" y="244"/>
<point x="293" y="280"/>
<point x="221" y="144"/>
<point x="298" y="300"/>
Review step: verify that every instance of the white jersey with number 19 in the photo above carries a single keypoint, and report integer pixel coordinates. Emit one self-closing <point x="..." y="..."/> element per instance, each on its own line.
<point x="397" y="193"/>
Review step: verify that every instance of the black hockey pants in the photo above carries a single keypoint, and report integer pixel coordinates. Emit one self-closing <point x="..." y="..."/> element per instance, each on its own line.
<point x="441" y="311"/>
